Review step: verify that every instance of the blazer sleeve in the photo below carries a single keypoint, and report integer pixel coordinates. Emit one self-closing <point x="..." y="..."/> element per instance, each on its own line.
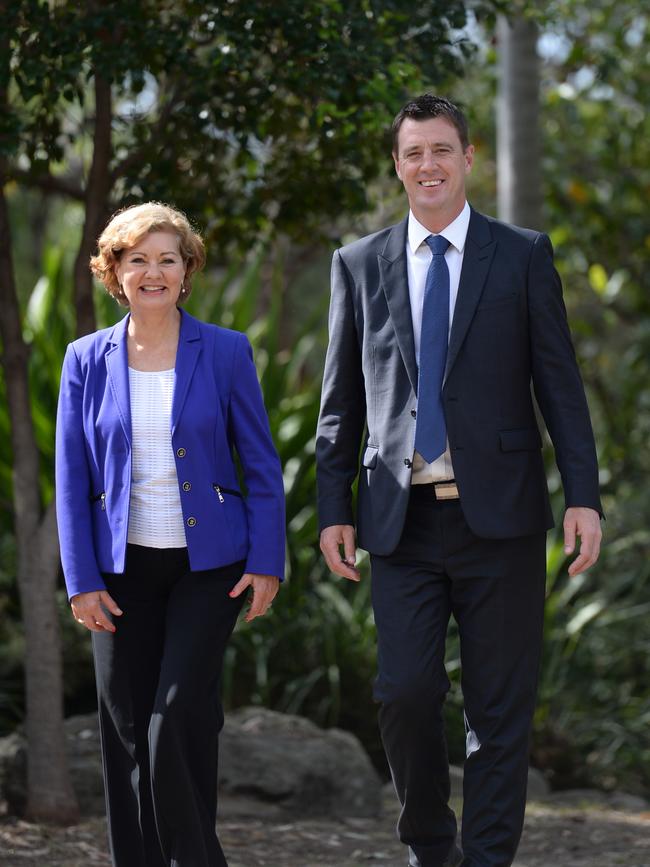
<point x="73" y="507"/>
<point x="557" y="382"/>
<point x="343" y="406"/>
<point x="251" y="436"/>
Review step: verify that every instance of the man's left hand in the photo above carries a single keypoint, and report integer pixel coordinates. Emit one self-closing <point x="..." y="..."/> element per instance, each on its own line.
<point x="583" y="522"/>
<point x="264" y="589"/>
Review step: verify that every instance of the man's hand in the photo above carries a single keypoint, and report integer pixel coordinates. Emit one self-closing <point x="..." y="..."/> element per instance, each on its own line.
<point x="583" y="522"/>
<point x="331" y="540"/>
<point x="264" y="589"/>
<point x="90" y="609"/>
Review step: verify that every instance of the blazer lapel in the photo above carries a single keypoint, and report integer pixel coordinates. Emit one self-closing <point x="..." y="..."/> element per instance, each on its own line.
<point x="189" y="349"/>
<point x="477" y="258"/>
<point x="394" y="279"/>
<point x="117" y="371"/>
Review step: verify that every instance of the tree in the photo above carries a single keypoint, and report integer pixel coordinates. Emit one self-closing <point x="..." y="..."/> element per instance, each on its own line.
<point x="518" y="139"/>
<point x="253" y="116"/>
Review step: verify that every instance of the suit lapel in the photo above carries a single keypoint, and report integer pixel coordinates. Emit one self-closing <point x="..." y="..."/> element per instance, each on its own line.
<point x="394" y="279"/>
<point x="117" y="370"/>
<point x="477" y="258"/>
<point x="189" y="348"/>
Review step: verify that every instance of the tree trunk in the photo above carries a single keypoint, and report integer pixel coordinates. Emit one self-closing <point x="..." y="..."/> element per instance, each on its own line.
<point x="49" y="795"/>
<point x="518" y="144"/>
<point x="96" y="206"/>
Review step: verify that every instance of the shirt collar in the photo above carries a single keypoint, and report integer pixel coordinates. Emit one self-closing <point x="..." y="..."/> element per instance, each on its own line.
<point x="455" y="232"/>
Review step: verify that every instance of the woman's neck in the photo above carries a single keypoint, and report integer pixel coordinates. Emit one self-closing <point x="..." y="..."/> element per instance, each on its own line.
<point x="153" y="328"/>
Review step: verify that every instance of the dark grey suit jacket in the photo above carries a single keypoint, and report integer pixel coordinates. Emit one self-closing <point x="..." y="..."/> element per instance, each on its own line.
<point x="509" y="329"/>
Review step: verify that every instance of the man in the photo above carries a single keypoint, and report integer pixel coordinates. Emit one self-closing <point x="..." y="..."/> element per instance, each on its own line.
<point x="438" y="327"/>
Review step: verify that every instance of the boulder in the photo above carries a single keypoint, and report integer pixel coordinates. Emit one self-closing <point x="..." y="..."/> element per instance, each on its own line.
<point x="284" y="764"/>
<point x="289" y="762"/>
<point x="84" y="760"/>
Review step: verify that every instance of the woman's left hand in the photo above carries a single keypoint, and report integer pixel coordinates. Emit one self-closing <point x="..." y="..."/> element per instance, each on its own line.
<point x="264" y="589"/>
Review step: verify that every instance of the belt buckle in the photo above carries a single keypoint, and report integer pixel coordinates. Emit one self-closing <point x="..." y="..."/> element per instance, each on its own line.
<point x="446" y="490"/>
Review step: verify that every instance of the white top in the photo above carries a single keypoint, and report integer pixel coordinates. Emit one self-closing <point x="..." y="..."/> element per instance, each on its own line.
<point x="155" y="514"/>
<point x="418" y="259"/>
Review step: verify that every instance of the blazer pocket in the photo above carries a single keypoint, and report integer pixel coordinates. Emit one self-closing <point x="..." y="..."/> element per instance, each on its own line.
<point x="523" y="439"/>
<point x="369" y="460"/>
<point x="220" y="491"/>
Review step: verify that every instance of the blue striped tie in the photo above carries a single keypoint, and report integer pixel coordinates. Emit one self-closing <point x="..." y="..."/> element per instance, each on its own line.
<point x="430" y="428"/>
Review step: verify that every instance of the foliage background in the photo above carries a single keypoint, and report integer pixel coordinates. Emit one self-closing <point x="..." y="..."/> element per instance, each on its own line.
<point x="273" y="219"/>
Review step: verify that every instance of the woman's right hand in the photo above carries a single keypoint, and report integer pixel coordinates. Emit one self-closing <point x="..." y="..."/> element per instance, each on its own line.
<point x="88" y="608"/>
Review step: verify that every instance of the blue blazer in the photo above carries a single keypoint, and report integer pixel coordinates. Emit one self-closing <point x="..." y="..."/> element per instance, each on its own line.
<point x="217" y="408"/>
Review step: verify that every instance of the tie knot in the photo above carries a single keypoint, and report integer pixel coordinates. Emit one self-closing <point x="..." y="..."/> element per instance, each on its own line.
<point x="437" y="244"/>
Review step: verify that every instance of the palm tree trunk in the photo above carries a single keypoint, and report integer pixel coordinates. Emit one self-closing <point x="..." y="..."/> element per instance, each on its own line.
<point x="518" y="139"/>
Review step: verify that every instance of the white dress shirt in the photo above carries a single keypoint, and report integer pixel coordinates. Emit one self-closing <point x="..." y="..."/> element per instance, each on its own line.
<point x="155" y="513"/>
<point x="418" y="259"/>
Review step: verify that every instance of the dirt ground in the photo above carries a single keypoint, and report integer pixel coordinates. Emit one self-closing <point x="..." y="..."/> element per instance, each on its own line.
<point x="553" y="837"/>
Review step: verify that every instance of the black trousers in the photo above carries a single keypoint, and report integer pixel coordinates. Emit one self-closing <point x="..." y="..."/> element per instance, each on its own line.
<point x="158" y="679"/>
<point x="495" y="591"/>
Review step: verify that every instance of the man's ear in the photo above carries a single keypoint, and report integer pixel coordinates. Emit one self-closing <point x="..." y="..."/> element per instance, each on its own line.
<point x="396" y="161"/>
<point x="469" y="159"/>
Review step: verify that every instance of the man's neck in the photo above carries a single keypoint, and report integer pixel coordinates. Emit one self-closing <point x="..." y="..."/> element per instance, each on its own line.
<point x="438" y="221"/>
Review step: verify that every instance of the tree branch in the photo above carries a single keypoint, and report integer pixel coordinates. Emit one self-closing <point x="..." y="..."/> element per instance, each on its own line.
<point x="48" y="183"/>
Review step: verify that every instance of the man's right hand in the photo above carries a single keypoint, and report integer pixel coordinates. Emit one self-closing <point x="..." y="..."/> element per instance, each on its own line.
<point x="331" y="540"/>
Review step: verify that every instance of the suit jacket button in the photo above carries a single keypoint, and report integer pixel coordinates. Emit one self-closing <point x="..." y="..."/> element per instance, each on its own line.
<point x="191" y="522"/>
<point x="408" y="463"/>
<point x="413" y="413"/>
<point x="187" y="486"/>
<point x="181" y="452"/>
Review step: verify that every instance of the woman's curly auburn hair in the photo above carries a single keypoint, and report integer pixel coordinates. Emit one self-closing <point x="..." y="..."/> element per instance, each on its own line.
<point x="130" y="225"/>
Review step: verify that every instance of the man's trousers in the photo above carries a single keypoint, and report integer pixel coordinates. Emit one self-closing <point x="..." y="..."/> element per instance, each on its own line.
<point x="494" y="588"/>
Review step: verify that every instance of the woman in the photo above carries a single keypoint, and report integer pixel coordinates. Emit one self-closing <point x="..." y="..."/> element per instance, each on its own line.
<point x="158" y="544"/>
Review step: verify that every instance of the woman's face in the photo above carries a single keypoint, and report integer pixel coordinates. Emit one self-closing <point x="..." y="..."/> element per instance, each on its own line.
<point x="151" y="272"/>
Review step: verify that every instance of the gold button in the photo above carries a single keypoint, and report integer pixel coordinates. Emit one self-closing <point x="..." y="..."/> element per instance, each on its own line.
<point x="181" y="452"/>
<point x="191" y="522"/>
<point x="187" y="486"/>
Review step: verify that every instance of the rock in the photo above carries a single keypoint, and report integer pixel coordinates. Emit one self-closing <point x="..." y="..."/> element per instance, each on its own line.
<point x="628" y="803"/>
<point x="289" y="762"/>
<point x="85" y="762"/>
<point x="579" y="798"/>
<point x="538" y="787"/>
<point x="13" y="774"/>
<point x="284" y="764"/>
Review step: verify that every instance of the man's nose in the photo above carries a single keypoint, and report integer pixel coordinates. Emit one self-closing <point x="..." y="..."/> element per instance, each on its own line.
<point x="429" y="160"/>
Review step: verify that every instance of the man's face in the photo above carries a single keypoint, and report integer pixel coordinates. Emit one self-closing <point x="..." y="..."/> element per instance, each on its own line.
<point x="432" y="165"/>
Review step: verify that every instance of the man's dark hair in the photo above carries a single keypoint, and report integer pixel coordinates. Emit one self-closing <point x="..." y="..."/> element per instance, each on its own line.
<point x="426" y="106"/>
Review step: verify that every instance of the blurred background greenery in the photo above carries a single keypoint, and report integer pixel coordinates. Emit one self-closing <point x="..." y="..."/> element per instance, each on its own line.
<point x="267" y="124"/>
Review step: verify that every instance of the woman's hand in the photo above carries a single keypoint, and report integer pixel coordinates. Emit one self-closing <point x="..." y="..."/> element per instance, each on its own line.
<point x="264" y="589"/>
<point x="88" y="608"/>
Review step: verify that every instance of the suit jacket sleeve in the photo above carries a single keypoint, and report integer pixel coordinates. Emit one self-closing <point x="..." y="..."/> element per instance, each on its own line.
<point x="557" y="382"/>
<point x="343" y="405"/>
<point x="73" y="506"/>
<point x="251" y="436"/>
